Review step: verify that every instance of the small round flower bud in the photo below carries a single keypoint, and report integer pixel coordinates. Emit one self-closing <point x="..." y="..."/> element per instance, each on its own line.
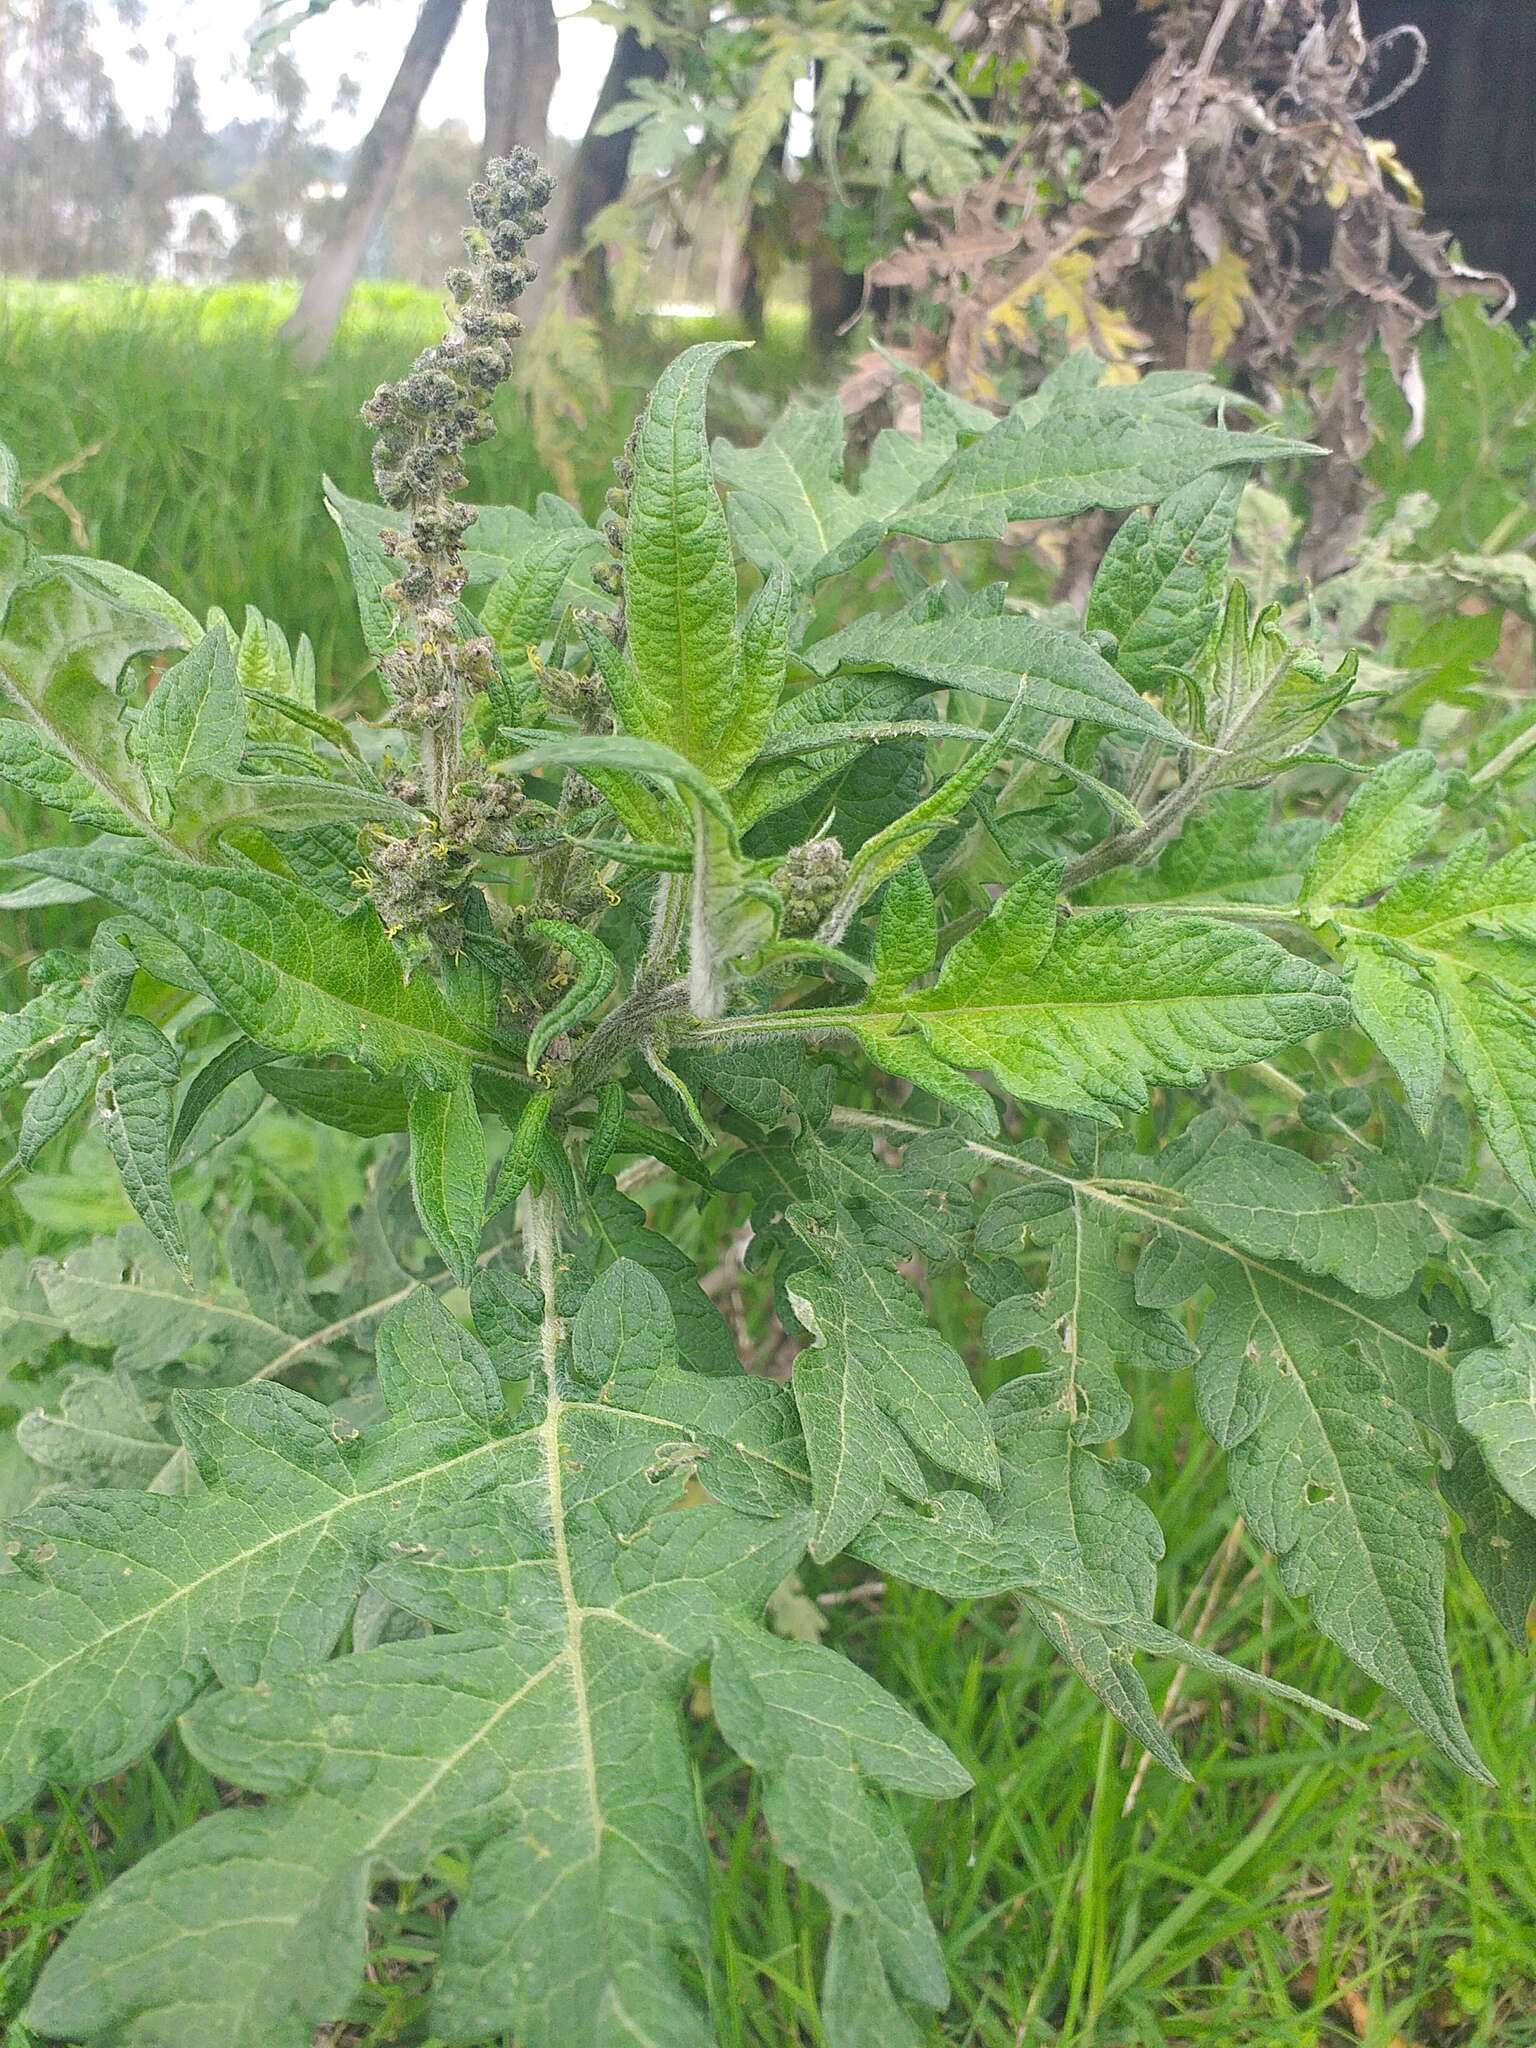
<point x="406" y="788"/>
<point x="810" y="880"/>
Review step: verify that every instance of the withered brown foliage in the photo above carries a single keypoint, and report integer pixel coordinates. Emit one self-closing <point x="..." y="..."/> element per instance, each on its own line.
<point x="1233" y="208"/>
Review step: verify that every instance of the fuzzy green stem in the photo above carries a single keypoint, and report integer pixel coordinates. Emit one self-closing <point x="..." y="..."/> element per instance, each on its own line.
<point x="633" y="1022"/>
<point x="1122" y="849"/>
<point x="773" y="1024"/>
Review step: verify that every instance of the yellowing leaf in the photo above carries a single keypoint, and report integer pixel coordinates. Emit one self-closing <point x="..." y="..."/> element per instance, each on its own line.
<point x="1063" y="289"/>
<point x="1218" y="297"/>
<point x="1384" y="154"/>
<point x="1346" y="172"/>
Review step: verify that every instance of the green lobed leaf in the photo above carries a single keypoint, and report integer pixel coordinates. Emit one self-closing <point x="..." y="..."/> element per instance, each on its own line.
<point x="679" y="575"/>
<point x="360" y="526"/>
<point x="136" y="593"/>
<point x="194" y="722"/>
<point x="1495" y="1384"/>
<point x="1087" y="1014"/>
<point x="1231" y="850"/>
<point x="921" y="1208"/>
<point x="28" y="1328"/>
<point x="58" y="1015"/>
<point x="1066" y="1530"/>
<point x="1446" y="963"/>
<point x="1320" y="1397"/>
<point x="31" y="765"/>
<point x="887" y="851"/>
<point x="1493" y="1041"/>
<point x="136" y="1108"/>
<point x="875" y="1381"/>
<point x="1087" y="1315"/>
<point x="616" y="1229"/>
<point x="1258" y="696"/>
<point x="907" y="934"/>
<point x="1332" y="1476"/>
<point x="1320" y="1409"/>
<point x="1438" y="909"/>
<point x="1396" y="1009"/>
<point x="207" y="806"/>
<point x="102" y="1434"/>
<point x="781" y="776"/>
<point x="256" y="1573"/>
<point x="540" y="1734"/>
<point x="57" y="1099"/>
<point x="789" y="506"/>
<point x="1005" y="657"/>
<point x="1389" y="819"/>
<point x="521" y="605"/>
<point x="1367" y="1228"/>
<point x="764" y="656"/>
<point x="247" y="1311"/>
<point x="1159" y="587"/>
<point x="290" y="973"/>
<point x="1106" y="447"/>
<point x="63" y="646"/>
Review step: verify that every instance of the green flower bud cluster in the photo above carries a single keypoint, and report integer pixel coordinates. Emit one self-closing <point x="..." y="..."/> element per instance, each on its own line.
<point x="425" y="422"/>
<point x="418" y="881"/>
<point x="486" y="814"/>
<point x="417" y="884"/>
<point x="810" y="879"/>
<point x="583" y="698"/>
<point x="609" y="575"/>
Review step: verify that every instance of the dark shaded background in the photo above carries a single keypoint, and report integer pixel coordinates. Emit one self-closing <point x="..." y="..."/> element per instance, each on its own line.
<point x="1467" y="129"/>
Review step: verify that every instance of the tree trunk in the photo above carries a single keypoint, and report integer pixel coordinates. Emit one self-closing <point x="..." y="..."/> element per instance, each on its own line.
<point x="375" y="173"/>
<point x="522" y="62"/>
<point x="834" y="296"/>
<point x="597" y="177"/>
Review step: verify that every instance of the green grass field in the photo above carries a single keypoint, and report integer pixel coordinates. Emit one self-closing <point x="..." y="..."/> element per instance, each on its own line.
<point x="191" y="447"/>
<point x="1307" y="1886"/>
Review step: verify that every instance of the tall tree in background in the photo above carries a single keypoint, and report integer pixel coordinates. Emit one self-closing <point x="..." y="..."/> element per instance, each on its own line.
<point x="272" y="197"/>
<point x="522" y="62"/>
<point x="598" y="176"/>
<point x="80" y="190"/>
<point x="423" y="233"/>
<point x="375" y="172"/>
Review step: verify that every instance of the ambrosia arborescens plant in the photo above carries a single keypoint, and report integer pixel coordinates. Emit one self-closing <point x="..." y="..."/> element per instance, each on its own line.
<point x="917" y="940"/>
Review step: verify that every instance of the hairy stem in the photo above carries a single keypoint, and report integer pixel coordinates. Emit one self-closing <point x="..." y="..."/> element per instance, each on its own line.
<point x="771" y="1024"/>
<point x="1505" y="758"/>
<point x="1141" y="842"/>
<point x="632" y="1023"/>
<point x="666" y="925"/>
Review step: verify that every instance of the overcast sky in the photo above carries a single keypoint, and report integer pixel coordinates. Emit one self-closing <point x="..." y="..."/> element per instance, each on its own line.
<point x="358" y="39"/>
